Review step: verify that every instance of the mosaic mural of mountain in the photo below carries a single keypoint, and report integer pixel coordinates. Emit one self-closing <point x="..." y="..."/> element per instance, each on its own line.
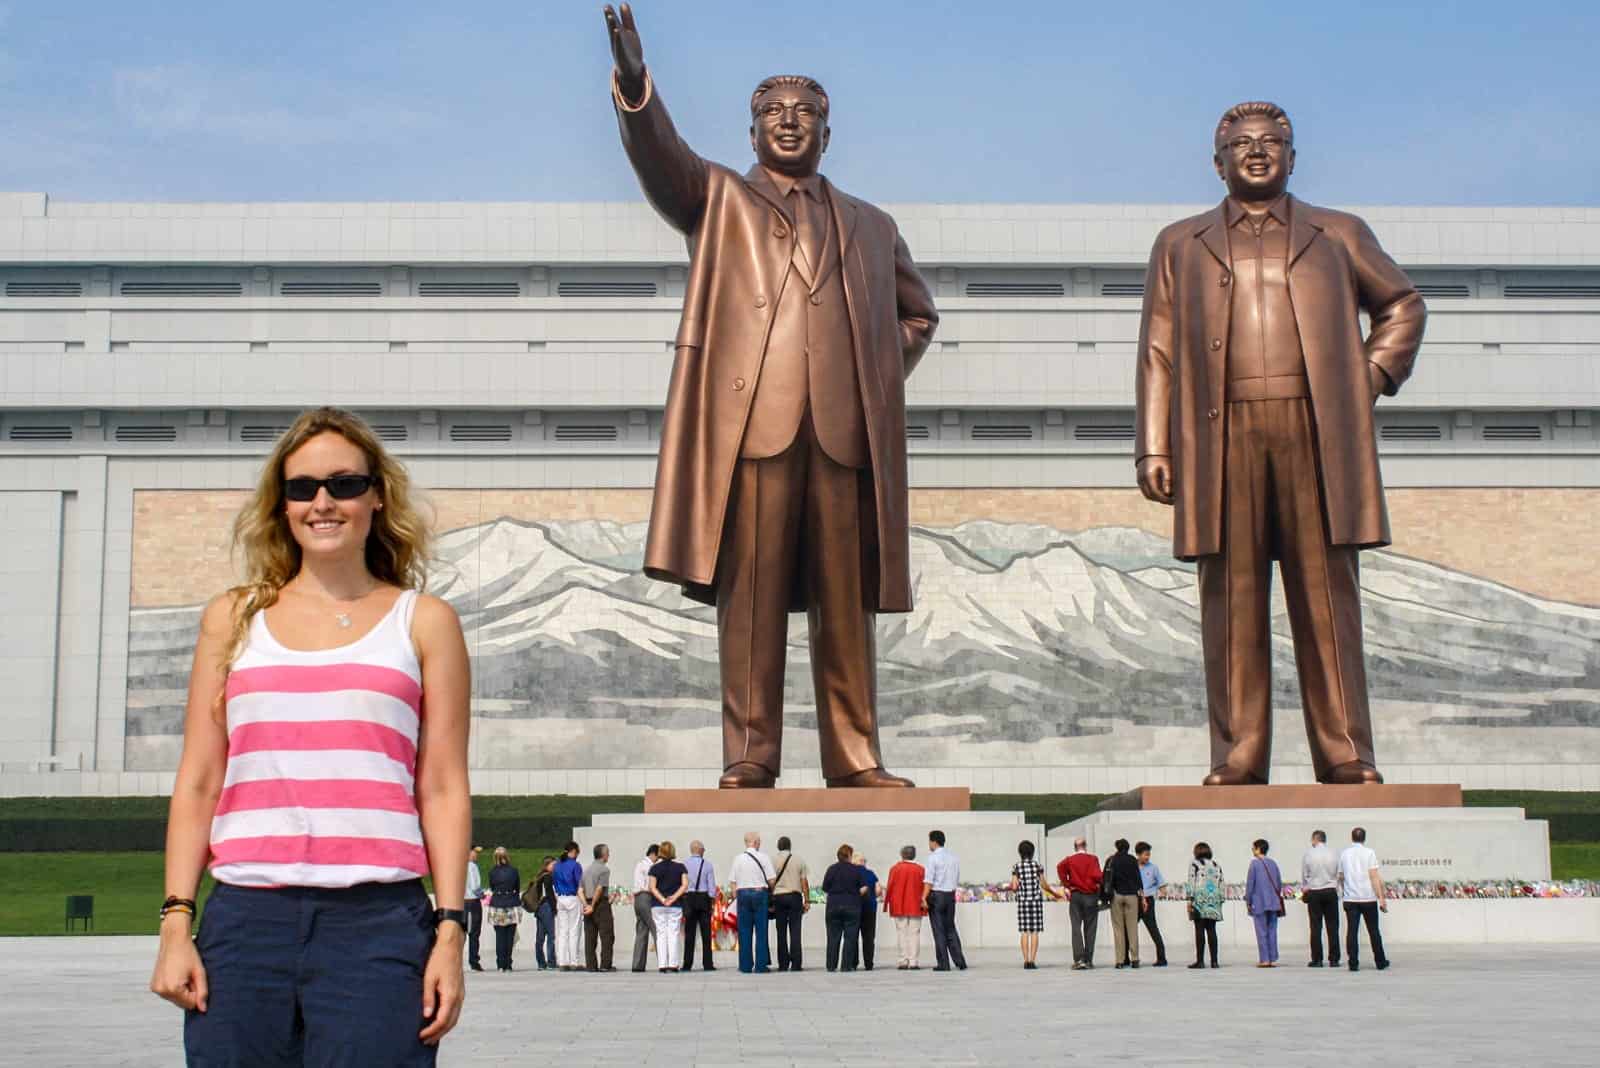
<point x="1023" y="635"/>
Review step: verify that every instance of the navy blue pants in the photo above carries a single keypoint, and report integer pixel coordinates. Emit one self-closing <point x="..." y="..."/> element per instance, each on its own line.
<point x="304" y="976"/>
<point x="754" y="956"/>
<point x="544" y="934"/>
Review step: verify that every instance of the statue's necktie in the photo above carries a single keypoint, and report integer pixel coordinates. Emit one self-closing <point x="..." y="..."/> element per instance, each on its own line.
<point x="807" y="228"/>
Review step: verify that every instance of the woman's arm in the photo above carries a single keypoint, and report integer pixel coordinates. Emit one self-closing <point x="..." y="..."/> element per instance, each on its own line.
<point x="655" y="893"/>
<point x="444" y="799"/>
<point x="179" y="976"/>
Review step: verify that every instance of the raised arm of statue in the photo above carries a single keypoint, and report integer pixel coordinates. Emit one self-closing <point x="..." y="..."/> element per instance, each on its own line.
<point x="674" y="178"/>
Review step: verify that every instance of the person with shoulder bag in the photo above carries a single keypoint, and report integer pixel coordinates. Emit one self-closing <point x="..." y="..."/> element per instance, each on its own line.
<point x="1263" y="897"/>
<point x="543" y="909"/>
<point x="791" y="900"/>
<point x="753" y="877"/>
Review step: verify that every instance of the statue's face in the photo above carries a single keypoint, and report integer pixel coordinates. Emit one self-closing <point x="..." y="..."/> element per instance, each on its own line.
<point x="789" y="131"/>
<point x="1255" y="158"/>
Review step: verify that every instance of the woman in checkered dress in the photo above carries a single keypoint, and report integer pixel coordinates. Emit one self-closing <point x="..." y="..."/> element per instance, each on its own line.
<point x="1029" y="884"/>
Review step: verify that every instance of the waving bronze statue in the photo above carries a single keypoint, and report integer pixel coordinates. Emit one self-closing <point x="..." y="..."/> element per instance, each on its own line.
<point x="1255" y="394"/>
<point x="782" y="479"/>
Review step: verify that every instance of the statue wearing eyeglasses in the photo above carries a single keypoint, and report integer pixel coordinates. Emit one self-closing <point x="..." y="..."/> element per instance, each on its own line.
<point x="1255" y="403"/>
<point x="781" y="484"/>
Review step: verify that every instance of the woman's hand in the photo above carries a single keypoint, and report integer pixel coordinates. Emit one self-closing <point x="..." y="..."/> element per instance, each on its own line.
<point x="442" y="988"/>
<point x="179" y="976"/>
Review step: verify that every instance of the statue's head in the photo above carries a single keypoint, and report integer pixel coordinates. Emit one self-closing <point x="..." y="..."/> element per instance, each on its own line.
<point x="1254" y="150"/>
<point x="789" y="124"/>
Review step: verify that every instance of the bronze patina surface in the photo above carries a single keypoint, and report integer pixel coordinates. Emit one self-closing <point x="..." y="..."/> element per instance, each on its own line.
<point x="1255" y="393"/>
<point x="781" y="484"/>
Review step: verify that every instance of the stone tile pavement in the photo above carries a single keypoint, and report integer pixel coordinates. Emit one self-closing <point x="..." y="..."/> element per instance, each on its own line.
<point x="82" y="1002"/>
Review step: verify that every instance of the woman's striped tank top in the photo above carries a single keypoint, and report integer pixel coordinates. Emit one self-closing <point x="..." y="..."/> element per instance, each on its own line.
<point x="322" y="759"/>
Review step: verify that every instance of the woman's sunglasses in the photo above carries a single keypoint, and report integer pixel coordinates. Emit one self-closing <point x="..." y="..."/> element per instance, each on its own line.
<point x="339" y="487"/>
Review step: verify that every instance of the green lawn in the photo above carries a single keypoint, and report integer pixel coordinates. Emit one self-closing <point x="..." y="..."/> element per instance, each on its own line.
<point x="127" y="889"/>
<point x="1575" y="860"/>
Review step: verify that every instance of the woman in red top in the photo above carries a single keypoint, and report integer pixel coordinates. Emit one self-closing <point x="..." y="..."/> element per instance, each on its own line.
<point x="902" y="899"/>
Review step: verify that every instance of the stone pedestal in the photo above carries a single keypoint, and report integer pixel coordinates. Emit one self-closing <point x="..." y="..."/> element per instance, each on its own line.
<point x="1299" y="795"/>
<point x="872" y="799"/>
<point x="1418" y="832"/>
<point x="817" y="822"/>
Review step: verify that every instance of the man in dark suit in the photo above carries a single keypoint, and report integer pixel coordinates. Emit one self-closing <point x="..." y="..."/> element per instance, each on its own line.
<point x="1254" y="416"/>
<point x="781" y="484"/>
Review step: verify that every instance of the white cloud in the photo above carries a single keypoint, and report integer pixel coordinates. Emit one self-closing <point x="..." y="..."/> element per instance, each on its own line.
<point x="255" y="108"/>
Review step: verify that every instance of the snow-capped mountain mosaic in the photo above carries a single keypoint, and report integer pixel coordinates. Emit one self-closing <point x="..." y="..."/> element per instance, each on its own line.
<point x="1027" y="644"/>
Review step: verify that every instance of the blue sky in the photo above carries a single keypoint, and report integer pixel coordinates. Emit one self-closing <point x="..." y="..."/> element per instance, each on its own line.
<point x="1452" y="103"/>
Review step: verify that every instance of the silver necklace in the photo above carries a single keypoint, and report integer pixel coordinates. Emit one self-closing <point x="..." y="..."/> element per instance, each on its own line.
<point x="343" y="618"/>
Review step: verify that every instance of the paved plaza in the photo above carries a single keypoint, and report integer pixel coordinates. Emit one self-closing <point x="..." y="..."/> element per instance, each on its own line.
<point x="82" y="1002"/>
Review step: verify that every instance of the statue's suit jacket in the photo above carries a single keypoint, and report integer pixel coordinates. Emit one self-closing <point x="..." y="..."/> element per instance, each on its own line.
<point x="1336" y="270"/>
<point x="741" y="242"/>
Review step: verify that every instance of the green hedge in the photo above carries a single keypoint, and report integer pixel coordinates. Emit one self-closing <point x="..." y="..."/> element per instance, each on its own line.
<point x="109" y="834"/>
<point x="138" y="824"/>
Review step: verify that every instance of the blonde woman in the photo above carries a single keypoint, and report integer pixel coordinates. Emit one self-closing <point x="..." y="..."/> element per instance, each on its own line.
<point x="668" y="882"/>
<point x="505" y="888"/>
<point x="313" y="783"/>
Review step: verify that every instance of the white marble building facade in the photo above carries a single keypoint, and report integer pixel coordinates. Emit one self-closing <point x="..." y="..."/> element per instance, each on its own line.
<point x="149" y="351"/>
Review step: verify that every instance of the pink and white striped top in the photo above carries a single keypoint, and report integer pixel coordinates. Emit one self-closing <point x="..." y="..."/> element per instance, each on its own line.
<point x="322" y="760"/>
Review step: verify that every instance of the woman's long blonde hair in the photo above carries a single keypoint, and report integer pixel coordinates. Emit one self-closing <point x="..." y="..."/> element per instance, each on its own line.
<point x="397" y="546"/>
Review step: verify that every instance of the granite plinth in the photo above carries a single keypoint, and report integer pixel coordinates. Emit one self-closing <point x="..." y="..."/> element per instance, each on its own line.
<point x="1447" y="843"/>
<point x="866" y="799"/>
<point x="1306" y="796"/>
<point x="985" y="842"/>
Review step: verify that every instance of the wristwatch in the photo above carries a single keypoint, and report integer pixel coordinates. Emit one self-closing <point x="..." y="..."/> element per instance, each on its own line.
<point x="458" y="916"/>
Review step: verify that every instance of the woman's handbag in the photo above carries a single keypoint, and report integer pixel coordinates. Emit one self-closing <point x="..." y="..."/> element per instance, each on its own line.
<point x="1277" y="887"/>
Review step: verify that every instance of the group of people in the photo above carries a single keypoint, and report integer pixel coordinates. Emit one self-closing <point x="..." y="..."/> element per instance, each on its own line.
<point x="1129" y="883"/>
<point x="675" y="900"/>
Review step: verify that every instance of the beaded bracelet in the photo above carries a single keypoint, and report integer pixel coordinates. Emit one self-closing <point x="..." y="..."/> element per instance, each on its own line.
<point x="178" y="904"/>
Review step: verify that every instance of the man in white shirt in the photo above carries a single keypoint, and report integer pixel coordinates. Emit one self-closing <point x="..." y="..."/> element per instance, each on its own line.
<point x="1363" y="899"/>
<point x="941" y="876"/>
<point x="1319" y="889"/>
<point x="752" y="875"/>
<point x="473" y="904"/>
<point x="644" y="924"/>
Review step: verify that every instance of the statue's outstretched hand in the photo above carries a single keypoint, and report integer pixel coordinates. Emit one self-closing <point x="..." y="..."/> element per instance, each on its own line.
<point x="626" y="51"/>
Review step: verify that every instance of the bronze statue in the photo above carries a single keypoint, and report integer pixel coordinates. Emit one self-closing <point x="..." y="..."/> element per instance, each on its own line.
<point x="781" y="484"/>
<point x="1255" y="397"/>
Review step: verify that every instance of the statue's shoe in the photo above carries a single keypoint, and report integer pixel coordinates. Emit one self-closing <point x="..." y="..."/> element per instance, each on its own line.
<point x="870" y="777"/>
<point x="747" y="776"/>
<point x="1226" y="776"/>
<point x="1352" y="774"/>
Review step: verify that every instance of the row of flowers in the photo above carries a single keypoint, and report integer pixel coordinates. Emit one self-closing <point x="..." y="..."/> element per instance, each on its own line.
<point x="1414" y="889"/>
